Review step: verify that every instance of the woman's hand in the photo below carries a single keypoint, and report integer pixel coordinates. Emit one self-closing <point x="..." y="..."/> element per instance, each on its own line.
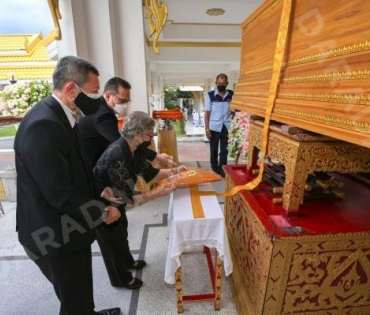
<point x="179" y="169"/>
<point x="165" y="159"/>
<point x="108" y="194"/>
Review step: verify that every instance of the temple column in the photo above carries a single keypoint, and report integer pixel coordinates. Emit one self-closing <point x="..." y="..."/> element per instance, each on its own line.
<point x="110" y="34"/>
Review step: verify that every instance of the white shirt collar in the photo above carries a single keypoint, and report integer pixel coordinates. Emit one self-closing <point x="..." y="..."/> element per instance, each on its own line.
<point x="67" y="110"/>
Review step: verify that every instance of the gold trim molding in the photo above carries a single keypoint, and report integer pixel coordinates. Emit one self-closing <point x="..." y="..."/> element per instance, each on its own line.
<point x="332" y="98"/>
<point x="261" y="82"/>
<point x="193" y="44"/>
<point x="332" y="76"/>
<point x="54" y="9"/>
<point x="201" y="24"/>
<point x="353" y="125"/>
<point x="156" y="14"/>
<point x="341" y="51"/>
<point x="328" y="120"/>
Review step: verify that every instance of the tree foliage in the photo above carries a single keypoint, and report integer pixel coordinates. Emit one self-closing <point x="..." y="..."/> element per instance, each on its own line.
<point x="171" y="94"/>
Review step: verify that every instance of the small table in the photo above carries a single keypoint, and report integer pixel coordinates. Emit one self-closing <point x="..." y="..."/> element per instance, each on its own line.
<point x="186" y="232"/>
<point x="303" y="154"/>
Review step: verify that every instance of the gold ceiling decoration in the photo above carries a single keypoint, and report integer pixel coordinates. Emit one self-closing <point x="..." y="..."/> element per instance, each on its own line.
<point x="156" y="14"/>
<point x="54" y="9"/>
<point x="215" y="11"/>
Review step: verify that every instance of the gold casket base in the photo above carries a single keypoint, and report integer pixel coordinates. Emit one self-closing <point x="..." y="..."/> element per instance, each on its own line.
<point x="316" y="263"/>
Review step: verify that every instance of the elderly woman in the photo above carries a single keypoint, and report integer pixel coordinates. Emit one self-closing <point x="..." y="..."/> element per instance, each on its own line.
<point x="119" y="167"/>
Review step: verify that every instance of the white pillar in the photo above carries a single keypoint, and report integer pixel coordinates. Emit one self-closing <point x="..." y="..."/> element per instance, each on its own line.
<point x="132" y="50"/>
<point x="110" y="34"/>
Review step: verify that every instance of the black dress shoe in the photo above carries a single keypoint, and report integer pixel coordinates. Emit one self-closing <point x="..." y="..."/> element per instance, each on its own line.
<point x="139" y="264"/>
<point x="135" y="285"/>
<point x="110" y="311"/>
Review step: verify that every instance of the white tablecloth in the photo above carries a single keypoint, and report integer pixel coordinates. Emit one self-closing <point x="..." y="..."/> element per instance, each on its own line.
<point x="187" y="232"/>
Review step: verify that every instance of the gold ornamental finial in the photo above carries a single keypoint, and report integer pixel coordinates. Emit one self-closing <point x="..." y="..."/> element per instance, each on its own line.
<point x="156" y="14"/>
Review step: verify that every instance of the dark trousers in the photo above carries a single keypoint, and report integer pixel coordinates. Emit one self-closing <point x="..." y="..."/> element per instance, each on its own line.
<point x="71" y="277"/>
<point x="115" y="249"/>
<point x="219" y="142"/>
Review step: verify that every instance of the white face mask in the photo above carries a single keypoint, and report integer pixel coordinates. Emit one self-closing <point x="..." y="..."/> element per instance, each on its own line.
<point x="120" y="109"/>
<point x="93" y="96"/>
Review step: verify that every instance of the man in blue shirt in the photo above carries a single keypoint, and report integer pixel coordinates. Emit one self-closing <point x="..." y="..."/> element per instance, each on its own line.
<point x="217" y="122"/>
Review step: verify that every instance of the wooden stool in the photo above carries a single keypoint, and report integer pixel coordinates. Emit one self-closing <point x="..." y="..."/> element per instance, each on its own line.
<point x="216" y="279"/>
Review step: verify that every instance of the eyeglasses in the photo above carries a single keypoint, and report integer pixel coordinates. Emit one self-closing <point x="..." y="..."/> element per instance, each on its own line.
<point x="121" y="100"/>
<point x="150" y="136"/>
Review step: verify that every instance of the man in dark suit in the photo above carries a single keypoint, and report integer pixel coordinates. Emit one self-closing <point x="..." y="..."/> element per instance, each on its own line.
<point x="56" y="210"/>
<point x="98" y="131"/>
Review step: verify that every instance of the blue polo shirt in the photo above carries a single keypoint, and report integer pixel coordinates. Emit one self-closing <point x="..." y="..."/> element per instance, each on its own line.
<point x="220" y="109"/>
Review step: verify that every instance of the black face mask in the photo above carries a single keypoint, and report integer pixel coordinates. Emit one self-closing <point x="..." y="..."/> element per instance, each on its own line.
<point x="221" y="88"/>
<point x="87" y="105"/>
<point x="144" y="145"/>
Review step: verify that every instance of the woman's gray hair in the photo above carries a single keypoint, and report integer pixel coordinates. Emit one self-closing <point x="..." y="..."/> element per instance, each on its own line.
<point x="136" y="123"/>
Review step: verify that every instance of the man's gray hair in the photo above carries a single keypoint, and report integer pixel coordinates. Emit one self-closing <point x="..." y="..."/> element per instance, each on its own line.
<point x="136" y="123"/>
<point x="72" y="68"/>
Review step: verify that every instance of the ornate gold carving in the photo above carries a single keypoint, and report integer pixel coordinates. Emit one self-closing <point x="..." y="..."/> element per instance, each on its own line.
<point x="334" y="98"/>
<point x="260" y="107"/>
<point x="251" y="251"/>
<point x="354" y="99"/>
<point x="156" y="14"/>
<point x="259" y="70"/>
<point x="193" y="44"/>
<point x="54" y="8"/>
<point x="179" y="291"/>
<point x="218" y="283"/>
<point x="301" y="158"/>
<point x="355" y="125"/>
<point x="340" y="51"/>
<point x="332" y="76"/>
<point x="261" y="82"/>
<point x="321" y="273"/>
<point x="328" y="120"/>
<point x="252" y="94"/>
<point x="308" y="274"/>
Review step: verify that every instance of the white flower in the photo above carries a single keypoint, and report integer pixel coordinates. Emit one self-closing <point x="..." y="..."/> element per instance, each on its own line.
<point x="18" y="98"/>
<point x="239" y="135"/>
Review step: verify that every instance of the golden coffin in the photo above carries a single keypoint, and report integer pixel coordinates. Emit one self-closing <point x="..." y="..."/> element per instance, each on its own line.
<point x="324" y="82"/>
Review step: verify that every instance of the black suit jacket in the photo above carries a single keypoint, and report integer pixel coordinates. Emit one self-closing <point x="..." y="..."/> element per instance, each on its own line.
<point x="98" y="131"/>
<point x="54" y="182"/>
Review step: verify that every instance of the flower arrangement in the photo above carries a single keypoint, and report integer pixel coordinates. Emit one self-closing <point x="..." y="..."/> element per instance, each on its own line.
<point x="238" y="145"/>
<point x="17" y="99"/>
